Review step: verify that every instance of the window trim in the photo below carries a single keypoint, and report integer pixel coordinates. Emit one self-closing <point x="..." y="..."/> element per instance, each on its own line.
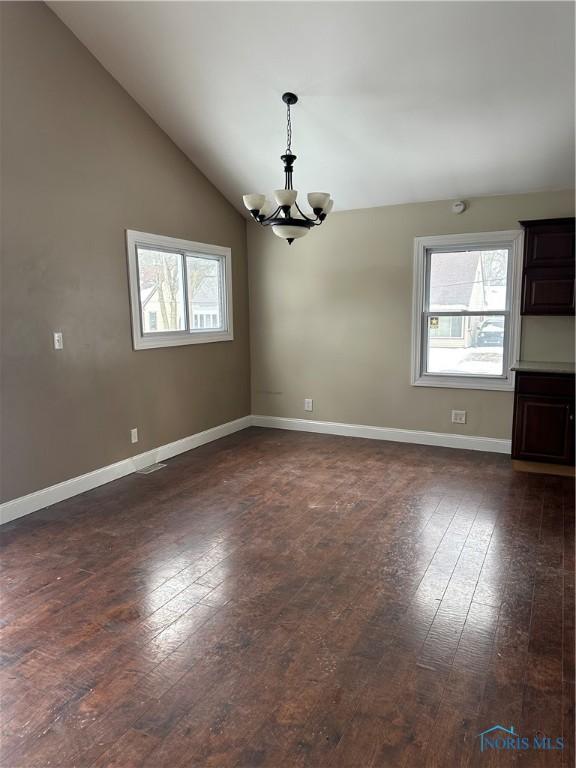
<point x="512" y="239"/>
<point x="141" y="340"/>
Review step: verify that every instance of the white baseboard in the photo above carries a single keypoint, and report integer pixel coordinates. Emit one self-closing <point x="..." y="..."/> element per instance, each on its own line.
<point x="419" y="437"/>
<point x="24" y="505"/>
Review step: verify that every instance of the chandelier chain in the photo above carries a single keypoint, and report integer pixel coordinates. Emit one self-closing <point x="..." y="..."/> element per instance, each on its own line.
<point x="288" y="131"/>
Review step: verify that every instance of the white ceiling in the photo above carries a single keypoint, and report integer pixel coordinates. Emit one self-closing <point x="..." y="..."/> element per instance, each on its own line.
<point x="399" y="101"/>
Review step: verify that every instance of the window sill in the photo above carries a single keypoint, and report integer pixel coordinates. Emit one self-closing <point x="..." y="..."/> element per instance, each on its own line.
<point x="183" y="340"/>
<point x="466" y="382"/>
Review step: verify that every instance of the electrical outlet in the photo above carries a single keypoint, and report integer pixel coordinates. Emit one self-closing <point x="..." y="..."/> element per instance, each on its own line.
<point x="134" y="435"/>
<point x="58" y="340"/>
<point x="458" y="417"/>
<point x="308" y="404"/>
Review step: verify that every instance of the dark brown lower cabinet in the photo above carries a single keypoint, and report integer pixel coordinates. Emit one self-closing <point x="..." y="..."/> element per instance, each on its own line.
<point x="544" y="418"/>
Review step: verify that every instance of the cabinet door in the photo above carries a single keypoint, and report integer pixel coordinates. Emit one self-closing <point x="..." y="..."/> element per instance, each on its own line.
<point x="543" y="429"/>
<point x="549" y="243"/>
<point x="548" y="291"/>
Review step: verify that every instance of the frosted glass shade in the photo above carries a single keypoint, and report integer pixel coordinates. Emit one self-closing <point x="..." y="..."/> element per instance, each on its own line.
<point x="286" y="231"/>
<point x="318" y="199"/>
<point x="254" y="202"/>
<point x="285" y="196"/>
<point x="329" y="206"/>
<point x="267" y="208"/>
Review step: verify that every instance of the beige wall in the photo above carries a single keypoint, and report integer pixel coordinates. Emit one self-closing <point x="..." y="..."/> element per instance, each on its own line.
<point x="331" y="318"/>
<point x="548" y="338"/>
<point x="82" y="162"/>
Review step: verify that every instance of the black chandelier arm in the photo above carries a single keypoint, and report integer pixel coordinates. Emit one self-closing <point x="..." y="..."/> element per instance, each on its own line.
<point x="262" y="219"/>
<point x="308" y="218"/>
<point x="282" y="216"/>
<point x="284" y="209"/>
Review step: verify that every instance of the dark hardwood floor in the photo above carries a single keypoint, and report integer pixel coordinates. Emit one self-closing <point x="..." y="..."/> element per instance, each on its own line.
<point x="282" y="599"/>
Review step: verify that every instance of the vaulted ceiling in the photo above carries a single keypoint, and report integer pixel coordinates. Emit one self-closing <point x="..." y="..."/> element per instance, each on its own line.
<point x="399" y="101"/>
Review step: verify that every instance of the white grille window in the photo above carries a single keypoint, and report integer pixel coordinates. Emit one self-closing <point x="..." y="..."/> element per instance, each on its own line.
<point x="465" y="319"/>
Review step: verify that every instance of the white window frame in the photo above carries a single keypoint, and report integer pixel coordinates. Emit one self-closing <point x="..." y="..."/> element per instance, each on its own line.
<point x="513" y="240"/>
<point x="142" y="340"/>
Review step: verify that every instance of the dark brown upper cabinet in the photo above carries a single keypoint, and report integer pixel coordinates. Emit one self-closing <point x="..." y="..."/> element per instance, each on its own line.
<point x="548" y="274"/>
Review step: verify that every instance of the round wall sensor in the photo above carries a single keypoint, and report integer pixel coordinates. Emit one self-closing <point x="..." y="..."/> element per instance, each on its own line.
<point x="458" y="207"/>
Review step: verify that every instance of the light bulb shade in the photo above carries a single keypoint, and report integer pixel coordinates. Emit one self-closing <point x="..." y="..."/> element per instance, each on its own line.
<point x="318" y="200"/>
<point x="329" y="206"/>
<point x="267" y="208"/>
<point x="254" y="202"/>
<point x="285" y="196"/>
<point x="289" y="231"/>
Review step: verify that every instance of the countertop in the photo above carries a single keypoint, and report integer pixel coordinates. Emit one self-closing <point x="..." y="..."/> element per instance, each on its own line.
<point x="529" y="366"/>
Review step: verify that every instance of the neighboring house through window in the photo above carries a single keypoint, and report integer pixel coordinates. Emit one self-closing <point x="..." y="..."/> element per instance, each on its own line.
<point x="465" y="314"/>
<point x="152" y="321"/>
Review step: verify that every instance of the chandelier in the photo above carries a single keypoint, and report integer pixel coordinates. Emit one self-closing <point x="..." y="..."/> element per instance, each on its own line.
<point x="285" y="216"/>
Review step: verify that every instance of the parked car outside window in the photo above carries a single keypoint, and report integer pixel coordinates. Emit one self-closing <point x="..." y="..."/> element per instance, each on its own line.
<point x="491" y="332"/>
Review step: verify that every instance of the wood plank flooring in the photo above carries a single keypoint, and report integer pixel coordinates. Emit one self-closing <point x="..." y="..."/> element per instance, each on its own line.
<point x="283" y="600"/>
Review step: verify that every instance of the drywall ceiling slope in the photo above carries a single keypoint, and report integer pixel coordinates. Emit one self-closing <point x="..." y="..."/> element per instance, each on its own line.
<point x="399" y="101"/>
